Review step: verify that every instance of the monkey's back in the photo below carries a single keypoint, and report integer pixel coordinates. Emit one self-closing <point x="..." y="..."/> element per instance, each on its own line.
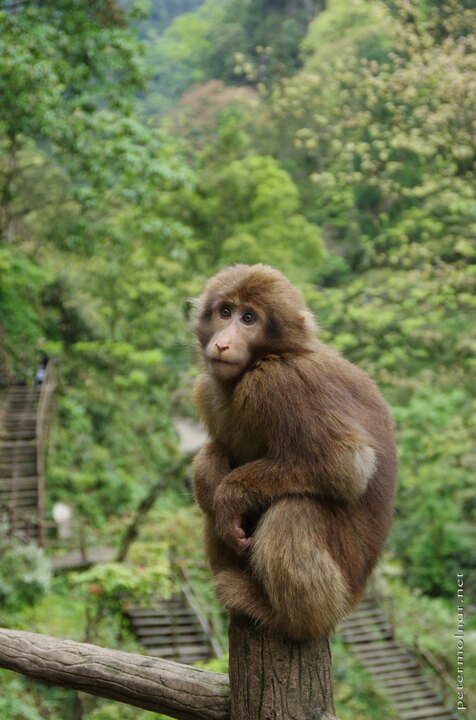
<point x="356" y="532"/>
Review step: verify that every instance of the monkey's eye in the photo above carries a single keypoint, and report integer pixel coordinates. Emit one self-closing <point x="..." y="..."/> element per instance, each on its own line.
<point x="248" y="317"/>
<point x="225" y="311"/>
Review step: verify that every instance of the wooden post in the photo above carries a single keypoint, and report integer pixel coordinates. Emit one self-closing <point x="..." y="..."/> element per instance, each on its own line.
<point x="272" y="678"/>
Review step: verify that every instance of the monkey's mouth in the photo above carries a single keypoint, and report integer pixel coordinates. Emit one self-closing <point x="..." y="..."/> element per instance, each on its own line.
<point x="225" y="362"/>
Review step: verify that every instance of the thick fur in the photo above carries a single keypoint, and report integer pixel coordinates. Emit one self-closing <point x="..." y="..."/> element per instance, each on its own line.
<point x="301" y="451"/>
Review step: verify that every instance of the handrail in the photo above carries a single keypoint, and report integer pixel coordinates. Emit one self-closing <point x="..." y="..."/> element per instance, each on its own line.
<point x="439" y="669"/>
<point x="43" y="427"/>
<point x="4" y="369"/>
<point x="198" y="604"/>
<point x="13" y="518"/>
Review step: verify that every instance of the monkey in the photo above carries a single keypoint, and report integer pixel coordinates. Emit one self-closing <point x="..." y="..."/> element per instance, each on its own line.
<point x="296" y="484"/>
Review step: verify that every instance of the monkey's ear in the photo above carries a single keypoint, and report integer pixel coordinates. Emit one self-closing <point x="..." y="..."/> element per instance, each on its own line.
<point x="190" y="307"/>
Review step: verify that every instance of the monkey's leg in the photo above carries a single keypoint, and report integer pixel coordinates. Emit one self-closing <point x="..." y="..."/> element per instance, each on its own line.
<point x="308" y="592"/>
<point x="239" y="591"/>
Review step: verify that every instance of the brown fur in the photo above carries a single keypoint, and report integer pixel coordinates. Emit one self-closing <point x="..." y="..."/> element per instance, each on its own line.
<point x="297" y="482"/>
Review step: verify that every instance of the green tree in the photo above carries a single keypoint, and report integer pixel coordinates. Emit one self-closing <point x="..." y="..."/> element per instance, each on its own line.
<point x="67" y="80"/>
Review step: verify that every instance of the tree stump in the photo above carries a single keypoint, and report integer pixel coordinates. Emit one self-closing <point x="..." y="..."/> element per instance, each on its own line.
<point x="274" y="678"/>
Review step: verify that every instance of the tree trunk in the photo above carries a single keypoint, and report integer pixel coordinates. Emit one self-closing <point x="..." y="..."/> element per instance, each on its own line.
<point x="272" y="678"/>
<point x="132" y="531"/>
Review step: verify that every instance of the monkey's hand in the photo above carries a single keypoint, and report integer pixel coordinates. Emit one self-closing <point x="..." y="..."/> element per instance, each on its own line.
<point x="238" y="535"/>
<point x="209" y="467"/>
<point x="232" y="503"/>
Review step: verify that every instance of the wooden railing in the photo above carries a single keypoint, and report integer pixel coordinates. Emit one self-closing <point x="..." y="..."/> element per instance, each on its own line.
<point x="200" y="607"/>
<point x="19" y="525"/>
<point x="4" y="369"/>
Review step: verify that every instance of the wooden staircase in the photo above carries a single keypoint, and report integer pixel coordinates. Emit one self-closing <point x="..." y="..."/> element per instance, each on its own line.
<point x="19" y="488"/>
<point x="369" y="633"/>
<point x="171" y="629"/>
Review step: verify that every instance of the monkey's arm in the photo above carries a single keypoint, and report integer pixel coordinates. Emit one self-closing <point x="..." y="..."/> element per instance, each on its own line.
<point x="313" y="447"/>
<point x="209" y="467"/>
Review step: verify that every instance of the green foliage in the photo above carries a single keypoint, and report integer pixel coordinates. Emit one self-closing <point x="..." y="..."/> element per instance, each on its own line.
<point x="436" y="507"/>
<point x="116" y="711"/>
<point x="362" y="27"/>
<point x="387" y="144"/>
<point x="245" y="211"/>
<point x="25" y="573"/>
<point x="227" y="40"/>
<point x="117" y="582"/>
<point x="20" y="700"/>
<point x="20" y="306"/>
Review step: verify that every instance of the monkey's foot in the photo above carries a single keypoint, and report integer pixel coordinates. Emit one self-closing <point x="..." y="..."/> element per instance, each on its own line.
<point x="240" y="592"/>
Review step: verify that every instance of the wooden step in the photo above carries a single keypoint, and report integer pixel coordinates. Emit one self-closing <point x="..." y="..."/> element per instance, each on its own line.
<point x="418" y="701"/>
<point x="183" y="653"/>
<point x="168" y="638"/>
<point x="378" y="645"/>
<point x="162" y="620"/>
<point x="390" y="667"/>
<point x="15" y="499"/>
<point x="18" y="419"/>
<point x="169" y="629"/>
<point x="14" y="455"/>
<point x="434" y="713"/>
<point x="19" y="482"/>
<point x="179" y="640"/>
<point x="374" y="656"/>
<point x="20" y="467"/>
<point x="166" y="630"/>
<point x="18" y="435"/>
<point x="144" y="613"/>
<point x="369" y="636"/>
<point x="155" y="606"/>
<point x="401" y="685"/>
<point x="364" y="618"/>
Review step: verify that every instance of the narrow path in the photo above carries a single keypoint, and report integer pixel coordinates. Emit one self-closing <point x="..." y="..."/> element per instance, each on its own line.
<point x="369" y="634"/>
<point x="170" y="629"/>
<point x="19" y="489"/>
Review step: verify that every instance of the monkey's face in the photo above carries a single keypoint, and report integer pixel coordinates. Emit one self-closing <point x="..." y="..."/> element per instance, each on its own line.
<point x="236" y="331"/>
<point x="247" y="312"/>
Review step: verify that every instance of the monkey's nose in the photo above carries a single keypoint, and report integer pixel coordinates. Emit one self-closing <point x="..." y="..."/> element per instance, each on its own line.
<point x="221" y="347"/>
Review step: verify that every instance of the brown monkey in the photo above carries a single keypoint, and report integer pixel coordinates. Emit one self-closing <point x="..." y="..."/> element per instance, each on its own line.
<point x="297" y="481"/>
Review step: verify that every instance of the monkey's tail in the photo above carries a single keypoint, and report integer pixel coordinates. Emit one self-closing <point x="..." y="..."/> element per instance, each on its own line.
<point x="294" y="586"/>
<point x="307" y="590"/>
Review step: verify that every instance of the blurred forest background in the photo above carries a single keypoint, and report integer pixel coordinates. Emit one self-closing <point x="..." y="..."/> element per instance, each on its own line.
<point x="146" y="144"/>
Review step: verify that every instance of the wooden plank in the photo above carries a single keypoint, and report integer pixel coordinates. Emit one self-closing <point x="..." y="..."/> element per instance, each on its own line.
<point x="367" y="637"/>
<point x="417" y="701"/>
<point x="435" y="713"/>
<point x="378" y="670"/>
<point x="162" y="621"/>
<point x="170" y="638"/>
<point x="387" y="644"/>
<point x="396" y="688"/>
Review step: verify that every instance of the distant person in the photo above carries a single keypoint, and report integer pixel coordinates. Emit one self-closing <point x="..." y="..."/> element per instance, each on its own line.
<point x="40" y="371"/>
